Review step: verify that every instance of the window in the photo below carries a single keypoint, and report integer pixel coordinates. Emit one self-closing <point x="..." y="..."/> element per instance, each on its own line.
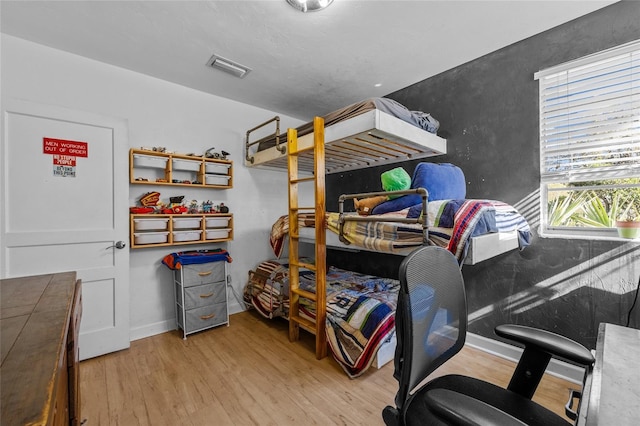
<point x="590" y="143"/>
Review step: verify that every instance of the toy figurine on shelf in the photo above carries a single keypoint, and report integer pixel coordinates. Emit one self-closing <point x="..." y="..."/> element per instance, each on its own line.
<point x="207" y="206"/>
<point x="176" y="200"/>
<point x="210" y="153"/>
<point x="179" y="209"/>
<point x="162" y="208"/>
<point x="223" y="209"/>
<point x="150" y="199"/>
<point x="193" y="207"/>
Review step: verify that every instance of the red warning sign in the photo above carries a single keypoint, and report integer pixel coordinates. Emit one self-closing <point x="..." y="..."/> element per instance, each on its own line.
<point x="65" y="148"/>
<point x="64" y="160"/>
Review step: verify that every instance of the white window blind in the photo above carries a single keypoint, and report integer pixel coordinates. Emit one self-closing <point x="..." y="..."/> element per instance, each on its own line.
<point x="590" y="117"/>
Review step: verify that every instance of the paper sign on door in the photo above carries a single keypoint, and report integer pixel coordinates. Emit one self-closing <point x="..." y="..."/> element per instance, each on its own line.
<point x="64" y="154"/>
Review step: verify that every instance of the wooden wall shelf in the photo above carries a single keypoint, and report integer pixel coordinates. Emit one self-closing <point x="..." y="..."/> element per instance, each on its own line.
<point x="159" y="168"/>
<point x="157" y="230"/>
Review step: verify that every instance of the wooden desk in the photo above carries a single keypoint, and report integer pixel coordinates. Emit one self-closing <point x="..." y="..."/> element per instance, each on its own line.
<point x="612" y="393"/>
<point x="39" y="321"/>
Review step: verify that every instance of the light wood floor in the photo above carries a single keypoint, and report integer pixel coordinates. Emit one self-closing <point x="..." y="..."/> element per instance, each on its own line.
<point x="250" y="374"/>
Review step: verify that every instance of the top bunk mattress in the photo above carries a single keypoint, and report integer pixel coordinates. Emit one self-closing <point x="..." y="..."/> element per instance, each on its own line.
<point x="376" y="131"/>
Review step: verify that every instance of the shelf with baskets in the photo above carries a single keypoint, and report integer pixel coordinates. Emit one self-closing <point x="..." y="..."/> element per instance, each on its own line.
<point x="160" y="168"/>
<point x="155" y="230"/>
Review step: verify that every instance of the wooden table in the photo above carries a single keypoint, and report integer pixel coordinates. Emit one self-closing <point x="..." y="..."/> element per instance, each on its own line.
<point x="612" y="393"/>
<point x="39" y="320"/>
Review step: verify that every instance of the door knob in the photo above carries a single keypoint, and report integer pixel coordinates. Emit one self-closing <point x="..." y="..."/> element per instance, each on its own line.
<point x="118" y="245"/>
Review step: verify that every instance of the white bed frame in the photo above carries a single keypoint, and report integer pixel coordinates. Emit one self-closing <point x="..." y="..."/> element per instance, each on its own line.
<point x="481" y="248"/>
<point x="371" y="138"/>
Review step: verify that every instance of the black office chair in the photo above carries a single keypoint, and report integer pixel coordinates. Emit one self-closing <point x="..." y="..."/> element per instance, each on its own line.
<point x="431" y="326"/>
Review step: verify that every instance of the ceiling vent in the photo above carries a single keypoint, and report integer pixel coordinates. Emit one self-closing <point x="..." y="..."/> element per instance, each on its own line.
<point x="228" y="66"/>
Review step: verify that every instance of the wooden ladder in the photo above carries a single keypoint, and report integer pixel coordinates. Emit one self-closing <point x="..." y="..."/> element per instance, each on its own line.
<point x="295" y="292"/>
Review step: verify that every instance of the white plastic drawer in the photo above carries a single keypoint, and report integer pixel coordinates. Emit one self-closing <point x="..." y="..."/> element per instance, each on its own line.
<point x="140" y="160"/>
<point x="188" y="165"/>
<point x="192" y="235"/>
<point x="187" y="223"/>
<point x="217" y="234"/>
<point x="217" y="179"/>
<point x="201" y="273"/>
<point x="217" y="168"/>
<point x="217" y="222"/>
<point x="151" y="237"/>
<point x="157" y="224"/>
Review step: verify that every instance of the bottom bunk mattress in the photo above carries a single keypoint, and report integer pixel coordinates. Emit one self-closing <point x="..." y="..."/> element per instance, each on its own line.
<point x="360" y="308"/>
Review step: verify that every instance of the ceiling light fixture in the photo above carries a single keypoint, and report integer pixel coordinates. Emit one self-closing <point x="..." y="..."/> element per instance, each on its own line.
<point x="228" y="66"/>
<point x="309" y="5"/>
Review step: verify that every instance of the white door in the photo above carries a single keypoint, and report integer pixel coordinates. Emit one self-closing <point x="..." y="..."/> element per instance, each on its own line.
<point x="64" y="208"/>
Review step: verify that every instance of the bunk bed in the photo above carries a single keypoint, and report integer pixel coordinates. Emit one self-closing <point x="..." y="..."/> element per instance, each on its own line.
<point x="374" y="132"/>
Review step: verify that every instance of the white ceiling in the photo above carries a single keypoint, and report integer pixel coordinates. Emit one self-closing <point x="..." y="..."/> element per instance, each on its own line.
<point x="302" y="64"/>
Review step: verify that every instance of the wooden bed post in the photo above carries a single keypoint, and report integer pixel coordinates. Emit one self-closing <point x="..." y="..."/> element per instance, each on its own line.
<point x="295" y="292"/>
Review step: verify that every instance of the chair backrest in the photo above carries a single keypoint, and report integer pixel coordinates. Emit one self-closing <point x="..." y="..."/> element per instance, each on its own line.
<point x="431" y="317"/>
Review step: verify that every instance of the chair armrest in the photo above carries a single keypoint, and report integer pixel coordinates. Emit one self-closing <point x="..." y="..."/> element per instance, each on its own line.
<point x="546" y="341"/>
<point x="458" y="409"/>
<point x="539" y="347"/>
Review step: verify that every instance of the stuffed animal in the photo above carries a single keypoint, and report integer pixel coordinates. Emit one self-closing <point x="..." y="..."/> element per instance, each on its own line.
<point x="365" y="205"/>
<point x="392" y="180"/>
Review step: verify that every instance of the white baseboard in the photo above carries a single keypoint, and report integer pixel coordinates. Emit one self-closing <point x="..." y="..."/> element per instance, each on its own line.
<point x="235" y="308"/>
<point x="168" y="325"/>
<point x="557" y="368"/>
<point x="152" y="329"/>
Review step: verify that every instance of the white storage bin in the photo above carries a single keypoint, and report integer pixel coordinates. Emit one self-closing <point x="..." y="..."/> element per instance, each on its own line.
<point x="217" y="168"/>
<point x="217" y="222"/>
<point x="151" y="237"/>
<point x="217" y="234"/>
<point x="217" y="179"/>
<point x="189" y="165"/>
<point x="150" y="161"/>
<point x="186" y="223"/>
<point x="179" y="236"/>
<point x="156" y="224"/>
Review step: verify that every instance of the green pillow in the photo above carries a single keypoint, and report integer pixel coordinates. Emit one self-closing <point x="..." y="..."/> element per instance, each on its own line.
<point x="395" y="180"/>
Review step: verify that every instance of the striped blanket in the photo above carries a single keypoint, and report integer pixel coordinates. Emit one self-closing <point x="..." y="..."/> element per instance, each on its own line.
<point x="359" y="321"/>
<point x="386" y="235"/>
<point x="451" y="224"/>
<point x="360" y="308"/>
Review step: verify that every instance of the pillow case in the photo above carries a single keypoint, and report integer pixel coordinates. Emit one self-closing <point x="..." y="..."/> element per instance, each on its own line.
<point x="395" y="180"/>
<point x="443" y="181"/>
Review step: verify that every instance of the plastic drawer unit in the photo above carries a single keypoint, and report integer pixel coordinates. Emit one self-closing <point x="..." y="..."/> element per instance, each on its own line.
<point x="201" y="296"/>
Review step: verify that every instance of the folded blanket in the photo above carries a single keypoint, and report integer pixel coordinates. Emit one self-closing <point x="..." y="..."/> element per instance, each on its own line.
<point x="384" y="236"/>
<point x="176" y="260"/>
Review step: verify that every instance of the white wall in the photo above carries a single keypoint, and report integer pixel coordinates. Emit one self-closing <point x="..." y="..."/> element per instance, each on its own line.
<point x="160" y="113"/>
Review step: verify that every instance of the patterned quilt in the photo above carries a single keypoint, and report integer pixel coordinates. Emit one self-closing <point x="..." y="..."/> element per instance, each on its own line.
<point x="360" y="308"/>
<point x="451" y="224"/>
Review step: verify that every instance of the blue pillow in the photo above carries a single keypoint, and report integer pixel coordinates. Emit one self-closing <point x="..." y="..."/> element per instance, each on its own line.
<point x="443" y="181"/>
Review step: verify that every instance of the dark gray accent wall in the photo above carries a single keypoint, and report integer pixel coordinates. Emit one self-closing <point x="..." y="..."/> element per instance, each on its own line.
<point x="488" y="112"/>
